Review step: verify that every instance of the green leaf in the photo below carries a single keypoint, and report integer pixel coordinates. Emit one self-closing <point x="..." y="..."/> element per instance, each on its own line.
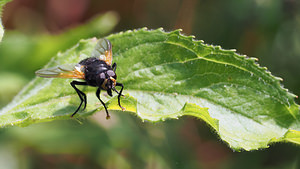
<point x="2" y="3"/>
<point x="168" y="75"/>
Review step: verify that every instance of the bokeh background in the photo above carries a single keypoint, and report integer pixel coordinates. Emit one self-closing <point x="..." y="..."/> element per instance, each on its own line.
<point x="37" y="29"/>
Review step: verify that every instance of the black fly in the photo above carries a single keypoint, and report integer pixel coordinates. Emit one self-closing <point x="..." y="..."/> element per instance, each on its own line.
<point x="96" y="71"/>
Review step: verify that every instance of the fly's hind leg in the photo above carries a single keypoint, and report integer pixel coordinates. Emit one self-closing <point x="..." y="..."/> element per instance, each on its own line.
<point x="98" y="96"/>
<point x="81" y="95"/>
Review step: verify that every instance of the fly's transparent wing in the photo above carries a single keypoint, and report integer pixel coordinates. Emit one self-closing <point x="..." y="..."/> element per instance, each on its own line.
<point x="103" y="51"/>
<point x="74" y="71"/>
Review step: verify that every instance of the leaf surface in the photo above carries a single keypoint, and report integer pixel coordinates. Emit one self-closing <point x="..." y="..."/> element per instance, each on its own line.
<point x="168" y="75"/>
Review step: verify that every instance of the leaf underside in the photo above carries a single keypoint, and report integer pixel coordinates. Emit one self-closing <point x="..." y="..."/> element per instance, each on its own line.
<point x="168" y="75"/>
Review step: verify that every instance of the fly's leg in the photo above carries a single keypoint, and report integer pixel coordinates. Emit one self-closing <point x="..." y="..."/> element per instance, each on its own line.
<point x="98" y="96"/>
<point x="114" y="67"/>
<point x="120" y="94"/>
<point x="81" y="95"/>
<point x="114" y="89"/>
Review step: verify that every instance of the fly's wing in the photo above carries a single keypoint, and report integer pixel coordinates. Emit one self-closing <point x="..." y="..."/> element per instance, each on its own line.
<point x="103" y="51"/>
<point x="74" y="71"/>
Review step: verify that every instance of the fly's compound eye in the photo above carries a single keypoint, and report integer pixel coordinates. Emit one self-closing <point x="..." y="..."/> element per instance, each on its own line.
<point x="111" y="73"/>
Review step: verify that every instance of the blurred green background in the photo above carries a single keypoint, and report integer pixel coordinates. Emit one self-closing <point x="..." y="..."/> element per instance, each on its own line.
<point x="37" y="29"/>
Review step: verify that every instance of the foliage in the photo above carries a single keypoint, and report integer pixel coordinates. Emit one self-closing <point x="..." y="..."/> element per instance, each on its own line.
<point x="268" y="30"/>
<point x="167" y="75"/>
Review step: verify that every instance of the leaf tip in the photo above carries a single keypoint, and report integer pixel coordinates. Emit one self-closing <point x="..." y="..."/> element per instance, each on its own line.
<point x="129" y="31"/>
<point x="177" y="31"/>
<point x="161" y="29"/>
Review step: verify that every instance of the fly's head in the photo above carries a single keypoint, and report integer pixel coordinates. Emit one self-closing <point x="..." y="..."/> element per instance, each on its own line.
<point x="108" y="81"/>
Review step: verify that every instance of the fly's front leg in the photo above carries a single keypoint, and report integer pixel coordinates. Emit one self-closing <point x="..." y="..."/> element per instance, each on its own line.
<point x="120" y="94"/>
<point x="81" y="95"/>
<point x="114" y="89"/>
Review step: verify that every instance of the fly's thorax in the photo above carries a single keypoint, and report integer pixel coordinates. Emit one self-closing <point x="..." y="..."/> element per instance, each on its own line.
<point x="99" y="73"/>
<point x="93" y="67"/>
